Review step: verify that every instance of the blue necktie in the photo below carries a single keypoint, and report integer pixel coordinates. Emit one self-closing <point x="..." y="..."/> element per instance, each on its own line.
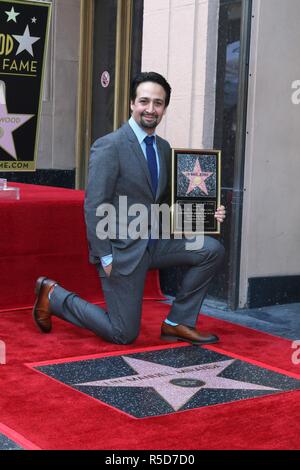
<point x="152" y="164"/>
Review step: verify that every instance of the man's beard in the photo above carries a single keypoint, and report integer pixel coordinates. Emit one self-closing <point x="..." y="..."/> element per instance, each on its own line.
<point x="149" y="124"/>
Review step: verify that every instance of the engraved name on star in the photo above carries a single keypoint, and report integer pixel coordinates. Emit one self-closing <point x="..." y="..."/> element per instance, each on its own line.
<point x="164" y="380"/>
<point x="12" y="15"/>
<point x="197" y="178"/>
<point x="8" y="124"/>
<point x="25" y="41"/>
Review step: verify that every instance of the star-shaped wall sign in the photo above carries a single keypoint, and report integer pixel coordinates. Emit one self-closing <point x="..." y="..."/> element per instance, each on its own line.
<point x="9" y="123"/>
<point x="25" y="41"/>
<point x="12" y="15"/>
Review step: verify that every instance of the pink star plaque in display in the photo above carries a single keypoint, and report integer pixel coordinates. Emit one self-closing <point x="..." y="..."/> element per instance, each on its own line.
<point x="196" y="188"/>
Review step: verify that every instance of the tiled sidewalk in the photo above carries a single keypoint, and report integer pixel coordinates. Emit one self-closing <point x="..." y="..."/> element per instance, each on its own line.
<point x="278" y="320"/>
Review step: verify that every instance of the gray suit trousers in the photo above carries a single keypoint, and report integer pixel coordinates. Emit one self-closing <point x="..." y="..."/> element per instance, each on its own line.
<point x="124" y="294"/>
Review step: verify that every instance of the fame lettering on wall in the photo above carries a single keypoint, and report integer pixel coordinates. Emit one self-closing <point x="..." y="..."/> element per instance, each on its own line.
<point x="24" y="32"/>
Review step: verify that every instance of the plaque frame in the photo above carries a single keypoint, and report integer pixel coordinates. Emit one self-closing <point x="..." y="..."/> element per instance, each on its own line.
<point x="200" y="199"/>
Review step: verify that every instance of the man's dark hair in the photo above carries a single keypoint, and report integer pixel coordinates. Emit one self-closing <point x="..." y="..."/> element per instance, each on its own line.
<point x="150" y="77"/>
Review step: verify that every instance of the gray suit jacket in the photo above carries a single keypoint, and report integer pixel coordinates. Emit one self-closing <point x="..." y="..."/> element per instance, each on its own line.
<point x="118" y="167"/>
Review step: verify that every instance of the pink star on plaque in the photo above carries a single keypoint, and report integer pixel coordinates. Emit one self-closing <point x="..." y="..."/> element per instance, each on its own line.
<point x="9" y="123"/>
<point x="197" y="178"/>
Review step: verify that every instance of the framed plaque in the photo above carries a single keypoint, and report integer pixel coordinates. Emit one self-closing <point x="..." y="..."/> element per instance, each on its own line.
<point x="196" y="191"/>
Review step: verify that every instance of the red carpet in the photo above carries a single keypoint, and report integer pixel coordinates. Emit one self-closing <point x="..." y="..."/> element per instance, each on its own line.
<point x="44" y="234"/>
<point x="55" y="417"/>
<point x="47" y="415"/>
<point x="17" y="438"/>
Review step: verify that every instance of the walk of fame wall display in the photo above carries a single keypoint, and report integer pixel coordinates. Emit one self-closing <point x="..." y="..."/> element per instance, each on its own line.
<point x="24" y="30"/>
<point x="196" y="191"/>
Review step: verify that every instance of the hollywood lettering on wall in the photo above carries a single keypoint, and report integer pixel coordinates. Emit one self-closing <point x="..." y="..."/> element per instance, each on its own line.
<point x="24" y="32"/>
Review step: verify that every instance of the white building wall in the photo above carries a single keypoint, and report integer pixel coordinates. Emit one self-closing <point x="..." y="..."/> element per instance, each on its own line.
<point x="180" y="42"/>
<point x="271" y="217"/>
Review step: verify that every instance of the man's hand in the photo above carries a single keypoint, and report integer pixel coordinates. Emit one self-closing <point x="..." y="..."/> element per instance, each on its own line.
<point x="220" y="214"/>
<point x="108" y="269"/>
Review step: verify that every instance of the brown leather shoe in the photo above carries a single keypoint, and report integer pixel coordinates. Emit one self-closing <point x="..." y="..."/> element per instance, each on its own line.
<point x="186" y="333"/>
<point x="41" y="311"/>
